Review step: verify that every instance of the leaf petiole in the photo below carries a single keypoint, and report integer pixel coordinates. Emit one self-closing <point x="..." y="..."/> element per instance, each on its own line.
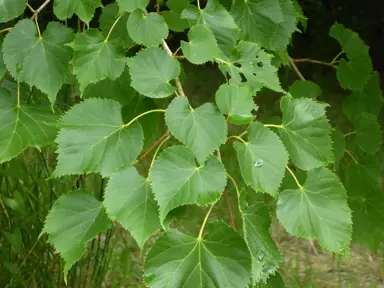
<point x="205" y="222"/>
<point x="113" y="26"/>
<point x="294" y="177"/>
<point x="143" y="114"/>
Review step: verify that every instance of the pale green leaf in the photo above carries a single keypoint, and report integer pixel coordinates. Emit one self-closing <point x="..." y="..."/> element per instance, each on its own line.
<point x="10" y="9"/>
<point x="118" y="90"/>
<point x="84" y="9"/>
<point x="149" y="30"/>
<point x="262" y="159"/>
<point x="93" y="138"/>
<point x="96" y="59"/>
<point x="306" y="132"/>
<point x="368" y="133"/>
<point x="352" y="75"/>
<point x="24" y="51"/>
<point x="338" y="140"/>
<point x="264" y="250"/>
<point x="174" y="21"/>
<point x="318" y="210"/>
<point x="269" y="23"/>
<point x="220" y="259"/>
<point x="250" y="61"/>
<point x="218" y="20"/>
<point x="75" y="219"/>
<point x="202" y="46"/>
<point x="23" y="126"/>
<point x="132" y="5"/>
<point x="109" y="15"/>
<point x="177" y="180"/>
<point x="129" y="200"/>
<point x="304" y="89"/>
<point x="203" y="129"/>
<point x="154" y="66"/>
<point x="236" y="102"/>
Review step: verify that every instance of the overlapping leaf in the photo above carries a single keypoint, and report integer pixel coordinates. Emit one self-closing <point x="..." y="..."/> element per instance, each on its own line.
<point x="177" y="180"/>
<point x="23" y="126"/>
<point x="10" y="9"/>
<point x="173" y="16"/>
<point x="306" y="132"/>
<point x="220" y="259"/>
<point x="250" y="61"/>
<point x="368" y="133"/>
<point x="129" y="200"/>
<point x="269" y="23"/>
<point x="24" y="50"/>
<point x="74" y="219"/>
<point x="262" y="159"/>
<point x="132" y="5"/>
<point x="93" y="138"/>
<point x="202" y="129"/>
<point x="304" y="89"/>
<point x="84" y="9"/>
<point x="338" y="140"/>
<point x="318" y="210"/>
<point x="154" y="66"/>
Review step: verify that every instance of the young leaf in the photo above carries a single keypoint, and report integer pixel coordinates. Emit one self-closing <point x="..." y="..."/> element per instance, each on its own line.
<point x="338" y="140"/>
<point x="24" y="50"/>
<point x="218" y="20"/>
<point x="368" y="133"/>
<point x="250" y="61"/>
<point x="304" y="89"/>
<point x="202" y="46"/>
<point x="318" y="209"/>
<point x="96" y="59"/>
<point x="202" y="129"/>
<point x="270" y="23"/>
<point x="84" y="9"/>
<point x="149" y="30"/>
<point x="220" y="259"/>
<point x="236" y="102"/>
<point x="263" y="249"/>
<point x="75" y="219"/>
<point x="262" y="159"/>
<point x="10" y="9"/>
<point x="176" y="180"/>
<point x="129" y="201"/>
<point x="154" y="66"/>
<point x="352" y="75"/>
<point x="23" y="126"/>
<point x="306" y="132"/>
<point x="132" y="5"/>
<point x="93" y="138"/>
<point x="108" y="17"/>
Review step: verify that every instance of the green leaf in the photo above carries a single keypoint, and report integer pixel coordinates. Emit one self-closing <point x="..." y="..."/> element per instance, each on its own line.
<point x="270" y="23"/>
<point x="24" y="51"/>
<point x="202" y="46"/>
<point x="202" y="129"/>
<point x="96" y="59"/>
<point x="178" y="5"/>
<point x="368" y="133"/>
<point x="304" y="89"/>
<point x="74" y="219"/>
<point x="250" y="61"/>
<point x="306" y="132"/>
<point x="220" y="259"/>
<point x="318" y="210"/>
<point x="236" y="102"/>
<point x="154" y="66"/>
<point x="262" y="159"/>
<point x="10" y="9"/>
<point x="132" y="5"/>
<point x="275" y="281"/>
<point x="177" y="180"/>
<point x="149" y="30"/>
<point x="129" y="201"/>
<point x="3" y="68"/>
<point x="352" y="75"/>
<point x="93" y="138"/>
<point x="368" y="100"/>
<point x="23" y="126"/>
<point x="338" y="140"/>
<point x="118" y="90"/>
<point x="263" y="249"/>
<point x="84" y="9"/>
<point x="108" y="17"/>
<point x="218" y="20"/>
<point x="15" y="238"/>
<point x="174" y="21"/>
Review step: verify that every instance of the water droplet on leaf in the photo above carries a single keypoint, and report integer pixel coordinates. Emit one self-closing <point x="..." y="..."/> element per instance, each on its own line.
<point x="258" y="163"/>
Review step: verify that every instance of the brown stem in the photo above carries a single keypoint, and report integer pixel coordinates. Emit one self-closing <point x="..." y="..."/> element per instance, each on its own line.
<point x="307" y="60"/>
<point x="3" y="78"/>
<point x="154" y="145"/>
<point x="38" y="10"/>
<point x="225" y="195"/>
<point x="294" y="67"/>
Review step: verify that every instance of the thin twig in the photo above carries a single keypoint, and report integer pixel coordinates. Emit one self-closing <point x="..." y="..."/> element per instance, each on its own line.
<point x="308" y="60"/>
<point x="38" y="10"/>
<point x="294" y="67"/>
<point x="154" y="145"/>
<point x="225" y="195"/>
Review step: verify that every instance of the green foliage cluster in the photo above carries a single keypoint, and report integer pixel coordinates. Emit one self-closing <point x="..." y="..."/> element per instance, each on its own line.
<point x="325" y="182"/>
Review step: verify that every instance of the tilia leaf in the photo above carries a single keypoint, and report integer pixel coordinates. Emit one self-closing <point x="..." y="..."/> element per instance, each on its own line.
<point x="132" y="5"/>
<point x="10" y="9"/>
<point x="368" y="133"/>
<point x="84" y="9"/>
